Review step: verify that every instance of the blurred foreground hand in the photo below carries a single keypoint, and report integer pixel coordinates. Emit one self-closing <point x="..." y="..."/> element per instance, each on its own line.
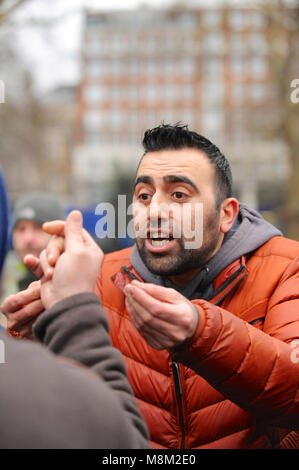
<point x="73" y="268"/>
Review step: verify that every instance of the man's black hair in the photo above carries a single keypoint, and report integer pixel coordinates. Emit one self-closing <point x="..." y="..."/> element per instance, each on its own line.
<point x="178" y="136"/>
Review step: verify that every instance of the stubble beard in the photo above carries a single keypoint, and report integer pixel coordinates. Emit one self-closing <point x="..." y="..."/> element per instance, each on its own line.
<point x="184" y="259"/>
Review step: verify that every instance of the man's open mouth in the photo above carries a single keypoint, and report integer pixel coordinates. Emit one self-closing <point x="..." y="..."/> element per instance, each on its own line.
<point x="159" y="241"/>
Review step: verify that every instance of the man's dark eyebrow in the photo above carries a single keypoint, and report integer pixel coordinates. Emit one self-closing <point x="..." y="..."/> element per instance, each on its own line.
<point x="143" y="179"/>
<point x="179" y="179"/>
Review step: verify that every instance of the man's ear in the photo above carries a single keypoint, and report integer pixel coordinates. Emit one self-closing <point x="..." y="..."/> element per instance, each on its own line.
<point x="228" y="212"/>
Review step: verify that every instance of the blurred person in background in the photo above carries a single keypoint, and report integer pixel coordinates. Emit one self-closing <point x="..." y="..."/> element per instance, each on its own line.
<point x="208" y="334"/>
<point x="48" y="399"/>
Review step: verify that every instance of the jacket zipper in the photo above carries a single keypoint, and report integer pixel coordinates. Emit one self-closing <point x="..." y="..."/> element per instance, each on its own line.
<point x="178" y="391"/>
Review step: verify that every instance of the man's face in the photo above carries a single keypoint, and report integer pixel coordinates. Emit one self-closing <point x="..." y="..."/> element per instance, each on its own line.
<point x="181" y="181"/>
<point x="29" y="238"/>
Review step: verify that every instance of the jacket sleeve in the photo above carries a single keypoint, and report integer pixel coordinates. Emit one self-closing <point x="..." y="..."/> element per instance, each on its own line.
<point x="76" y="329"/>
<point x="258" y="370"/>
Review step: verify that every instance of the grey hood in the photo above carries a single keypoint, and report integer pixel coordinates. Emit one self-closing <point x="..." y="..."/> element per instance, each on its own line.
<point x="249" y="231"/>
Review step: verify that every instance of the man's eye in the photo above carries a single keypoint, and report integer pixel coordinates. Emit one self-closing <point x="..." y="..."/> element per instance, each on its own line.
<point x="143" y="197"/>
<point x="179" y="195"/>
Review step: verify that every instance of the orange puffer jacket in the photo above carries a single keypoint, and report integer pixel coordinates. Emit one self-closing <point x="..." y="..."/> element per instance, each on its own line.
<point x="235" y="384"/>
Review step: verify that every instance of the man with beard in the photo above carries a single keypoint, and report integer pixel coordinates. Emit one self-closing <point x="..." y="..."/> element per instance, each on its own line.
<point x="206" y="316"/>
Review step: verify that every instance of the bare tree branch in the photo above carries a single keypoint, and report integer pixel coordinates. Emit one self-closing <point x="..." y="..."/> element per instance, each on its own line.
<point x="6" y="12"/>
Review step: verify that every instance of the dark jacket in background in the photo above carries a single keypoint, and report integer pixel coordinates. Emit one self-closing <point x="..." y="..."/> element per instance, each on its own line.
<point x="26" y="279"/>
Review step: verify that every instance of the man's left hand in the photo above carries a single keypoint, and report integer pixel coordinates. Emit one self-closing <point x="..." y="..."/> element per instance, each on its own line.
<point x="163" y="316"/>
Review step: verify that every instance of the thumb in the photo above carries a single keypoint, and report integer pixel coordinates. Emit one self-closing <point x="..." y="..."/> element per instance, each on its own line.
<point x="73" y="230"/>
<point x="165" y="294"/>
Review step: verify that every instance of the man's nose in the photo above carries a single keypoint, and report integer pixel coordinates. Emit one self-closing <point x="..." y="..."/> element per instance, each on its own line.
<point x="158" y="209"/>
<point x="28" y="236"/>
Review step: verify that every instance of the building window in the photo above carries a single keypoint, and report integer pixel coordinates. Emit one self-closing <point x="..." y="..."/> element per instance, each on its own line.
<point x="257" y="43"/>
<point x="133" y="93"/>
<point x="116" y="68"/>
<point x="237" y="66"/>
<point x="187" y="93"/>
<point x="257" y="20"/>
<point x="93" y="94"/>
<point x="212" y="67"/>
<point x="258" y="66"/>
<point x="187" y="66"/>
<point x="166" y="115"/>
<point x="239" y="126"/>
<point x="115" y="118"/>
<point x="169" y="67"/>
<point x="151" y="93"/>
<point x="212" y="124"/>
<point x="115" y="93"/>
<point x="151" y="67"/>
<point x="187" y="117"/>
<point x="238" y="20"/>
<point x="93" y="138"/>
<point x="92" y="119"/>
<point x="150" y="119"/>
<point x="133" y="118"/>
<point x="94" y="68"/>
<point x="213" y="93"/>
<point x="258" y="92"/>
<point x="239" y="44"/>
<point x="238" y="93"/>
<point x="170" y="92"/>
<point x="186" y="20"/>
<point x="133" y="66"/>
<point x="211" y="19"/>
<point x="214" y="43"/>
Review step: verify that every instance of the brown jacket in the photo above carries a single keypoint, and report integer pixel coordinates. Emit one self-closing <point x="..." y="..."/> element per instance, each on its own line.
<point x="235" y="384"/>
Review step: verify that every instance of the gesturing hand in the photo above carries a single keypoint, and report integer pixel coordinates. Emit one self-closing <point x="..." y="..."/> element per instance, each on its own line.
<point x="163" y="316"/>
<point x="76" y="269"/>
<point x="78" y="259"/>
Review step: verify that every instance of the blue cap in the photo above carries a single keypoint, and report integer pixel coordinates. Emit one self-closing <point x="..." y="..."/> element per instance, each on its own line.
<point x="5" y="220"/>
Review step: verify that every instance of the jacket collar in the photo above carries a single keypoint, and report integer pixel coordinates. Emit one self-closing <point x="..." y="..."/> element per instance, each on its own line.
<point x="223" y="284"/>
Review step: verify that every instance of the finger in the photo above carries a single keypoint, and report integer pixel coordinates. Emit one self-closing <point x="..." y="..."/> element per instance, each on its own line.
<point x="34" y="284"/>
<point x="165" y="316"/>
<point x="33" y="264"/>
<point x="137" y="313"/>
<point x="73" y="230"/>
<point x="155" y="337"/>
<point x="15" y="302"/>
<point x="55" y="227"/>
<point x="145" y="321"/>
<point x="47" y="269"/>
<point x="88" y="240"/>
<point x="54" y="249"/>
<point x="165" y="294"/>
<point x="149" y="303"/>
<point x="28" y="313"/>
